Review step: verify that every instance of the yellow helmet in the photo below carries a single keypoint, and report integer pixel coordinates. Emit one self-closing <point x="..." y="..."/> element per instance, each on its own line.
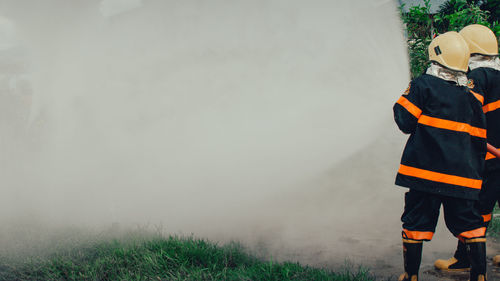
<point x="481" y="40"/>
<point x="450" y="50"/>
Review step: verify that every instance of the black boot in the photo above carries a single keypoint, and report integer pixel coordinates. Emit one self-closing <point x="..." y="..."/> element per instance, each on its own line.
<point x="459" y="261"/>
<point x="412" y="254"/>
<point x="476" y="251"/>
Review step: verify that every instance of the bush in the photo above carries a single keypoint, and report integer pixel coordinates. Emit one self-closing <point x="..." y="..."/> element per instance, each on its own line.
<point x="422" y="26"/>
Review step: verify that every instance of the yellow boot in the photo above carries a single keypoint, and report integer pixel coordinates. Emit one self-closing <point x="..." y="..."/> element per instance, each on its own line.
<point x="452" y="264"/>
<point x="459" y="261"/>
<point x="405" y="277"/>
<point x="496" y="260"/>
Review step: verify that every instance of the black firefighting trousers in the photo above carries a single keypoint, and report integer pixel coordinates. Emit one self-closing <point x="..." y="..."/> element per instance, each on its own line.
<point x="421" y="214"/>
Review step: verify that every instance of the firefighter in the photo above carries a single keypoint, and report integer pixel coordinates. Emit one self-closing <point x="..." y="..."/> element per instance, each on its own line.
<point x="443" y="159"/>
<point x="484" y="73"/>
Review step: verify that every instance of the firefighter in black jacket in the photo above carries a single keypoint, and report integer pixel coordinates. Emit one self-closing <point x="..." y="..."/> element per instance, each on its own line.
<point x="443" y="160"/>
<point x="484" y="81"/>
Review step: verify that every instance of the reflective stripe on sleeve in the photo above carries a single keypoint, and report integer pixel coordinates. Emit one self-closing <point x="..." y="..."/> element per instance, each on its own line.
<point x="478" y="97"/>
<point x="439" y="177"/>
<point x="413" y="109"/>
<point x="491" y="106"/>
<point x="489" y="156"/>
<point x="452" y="125"/>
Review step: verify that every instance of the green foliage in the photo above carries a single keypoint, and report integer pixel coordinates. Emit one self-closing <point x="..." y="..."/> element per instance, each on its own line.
<point x="419" y="32"/>
<point x="169" y="258"/>
<point x="461" y="15"/>
<point x="453" y="15"/>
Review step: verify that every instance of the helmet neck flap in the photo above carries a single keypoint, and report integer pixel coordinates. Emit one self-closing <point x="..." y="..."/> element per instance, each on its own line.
<point x="477" y="61"/>
<point x="439" y="71"/>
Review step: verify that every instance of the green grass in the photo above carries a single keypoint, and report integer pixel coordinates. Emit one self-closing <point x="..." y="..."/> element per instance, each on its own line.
<point x="158" y="258"/>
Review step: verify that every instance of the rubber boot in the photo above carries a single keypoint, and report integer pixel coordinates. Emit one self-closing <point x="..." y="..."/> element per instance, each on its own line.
<point x="477" y="257"/>
<point x="412" y="254"/>
<point x="459" y="261"/>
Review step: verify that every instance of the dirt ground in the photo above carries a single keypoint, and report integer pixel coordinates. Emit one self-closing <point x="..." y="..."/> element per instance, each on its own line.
<point x="390" y="270"/>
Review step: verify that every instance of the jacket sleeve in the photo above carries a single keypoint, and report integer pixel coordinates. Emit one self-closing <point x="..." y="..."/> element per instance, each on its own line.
<point x="408" y="108"/>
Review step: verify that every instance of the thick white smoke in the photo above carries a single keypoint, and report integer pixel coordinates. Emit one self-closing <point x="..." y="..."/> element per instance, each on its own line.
<point x="206" y="116"/>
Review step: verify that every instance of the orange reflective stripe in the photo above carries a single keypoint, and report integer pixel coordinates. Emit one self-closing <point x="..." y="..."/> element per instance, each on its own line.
<point x="439" y="177"/>
<point x="489" y="156"/>
<point x="413" y="109"/>
<point x="487" y="218"/>
<point x="475" y="233"/>
<point x="478" y="97"/>
<point x="491" y="106"/>
<point x="452" y="125"/>
<point x="417" y="235"/>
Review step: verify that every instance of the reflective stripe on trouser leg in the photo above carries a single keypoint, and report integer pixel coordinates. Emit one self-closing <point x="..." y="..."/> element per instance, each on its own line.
<point x="477" y="233"/>
<point x="412" y="235"/>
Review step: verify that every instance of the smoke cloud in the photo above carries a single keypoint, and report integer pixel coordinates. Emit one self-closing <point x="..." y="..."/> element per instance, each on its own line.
<point x="262" y="121"/>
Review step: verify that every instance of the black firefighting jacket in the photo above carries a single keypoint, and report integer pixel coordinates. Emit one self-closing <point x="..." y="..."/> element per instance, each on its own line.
<point x="486" y="81"/>
<point x="446" y="150"/>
